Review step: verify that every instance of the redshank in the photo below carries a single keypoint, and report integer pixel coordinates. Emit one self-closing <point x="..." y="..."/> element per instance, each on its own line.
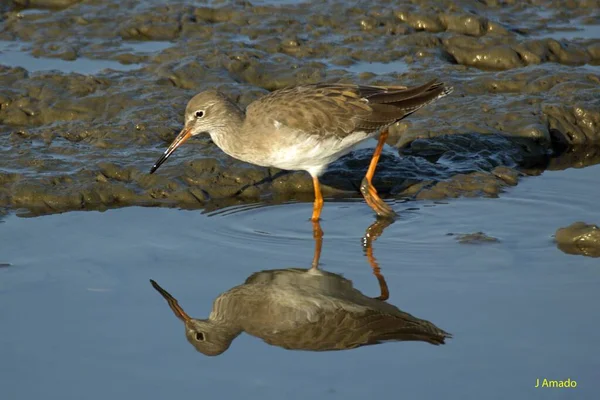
<point x="302" y="309"/>
<point x="306" y="127"/>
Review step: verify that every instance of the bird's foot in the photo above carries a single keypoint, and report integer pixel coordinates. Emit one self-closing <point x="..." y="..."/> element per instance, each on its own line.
<point x="374" y="201"/>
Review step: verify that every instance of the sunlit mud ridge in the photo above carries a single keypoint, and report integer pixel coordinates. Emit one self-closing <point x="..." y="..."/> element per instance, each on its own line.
<point x="579" y="238"/>
<point x="525" y="99"/>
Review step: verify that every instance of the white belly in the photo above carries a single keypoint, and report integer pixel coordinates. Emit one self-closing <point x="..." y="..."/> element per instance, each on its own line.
<point x="311" y="153"/>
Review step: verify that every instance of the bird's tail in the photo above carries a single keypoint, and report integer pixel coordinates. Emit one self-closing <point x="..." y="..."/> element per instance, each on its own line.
<point x="413" y="98"/>
<point x="415" y="329"/>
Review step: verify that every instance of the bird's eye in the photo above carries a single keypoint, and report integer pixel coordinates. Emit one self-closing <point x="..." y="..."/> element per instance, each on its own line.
<point x="199" y="114"/>
<point x="200" y="336"/>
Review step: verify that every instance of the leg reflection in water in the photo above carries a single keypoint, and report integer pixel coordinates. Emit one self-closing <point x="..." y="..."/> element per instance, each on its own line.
<point x="305" y="309"/>
<point x="371" y="234"/>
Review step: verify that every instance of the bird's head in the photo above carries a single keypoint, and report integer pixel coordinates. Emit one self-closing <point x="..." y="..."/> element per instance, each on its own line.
<point x="206" y="336"/>
<point x="206" y="112"/>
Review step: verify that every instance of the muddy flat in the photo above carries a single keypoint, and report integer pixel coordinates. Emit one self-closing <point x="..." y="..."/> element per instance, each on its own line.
<point x="496" y="187"/>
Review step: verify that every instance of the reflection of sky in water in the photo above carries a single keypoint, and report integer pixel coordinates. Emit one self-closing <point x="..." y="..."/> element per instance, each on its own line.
<point x="378" y="67"/>
<point x="33" y="11"/>
<point x="77" y="310"/>
<point x="576" y="31"/>
<point x="13" y="55"/>
<point x="545" y="14"/>
<point x="592" y="68"/>
<point x="146" y="46"/>
<point x="278" y="2"/>
<point x="242" y="39"/>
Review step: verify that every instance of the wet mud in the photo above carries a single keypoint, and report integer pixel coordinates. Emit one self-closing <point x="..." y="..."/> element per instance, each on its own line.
<point x="526" y="78"/>
<point x="474" y="238"/>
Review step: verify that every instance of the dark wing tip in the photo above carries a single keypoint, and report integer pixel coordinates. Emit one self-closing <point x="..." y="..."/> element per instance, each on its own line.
<point x="447" y="91"/>
<point x="442" y="337"/>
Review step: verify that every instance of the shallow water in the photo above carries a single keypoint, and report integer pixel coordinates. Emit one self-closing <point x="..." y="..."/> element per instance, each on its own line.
<point x="573" y="31"/>
<point x="379" y="67"/>
<point x="82" y="312"/>
<point x="13" y="55"/>
<point x="95" y="136"/>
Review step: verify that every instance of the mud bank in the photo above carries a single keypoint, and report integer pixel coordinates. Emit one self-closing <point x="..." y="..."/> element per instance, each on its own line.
<point x="526" y="81"/>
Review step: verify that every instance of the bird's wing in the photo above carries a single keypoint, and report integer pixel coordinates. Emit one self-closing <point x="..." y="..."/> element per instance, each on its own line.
<point x="326" y="282"/>
<point x="341" y="109"/>
<point x="347" y="330"/>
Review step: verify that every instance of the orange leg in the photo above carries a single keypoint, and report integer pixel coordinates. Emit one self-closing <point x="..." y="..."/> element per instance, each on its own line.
<point x="318" y="206"/>
<point x="383" y="288"/>
<point x="368" y="190"/>
<point x="372" y="233"/>
<point x="318" y="236"/>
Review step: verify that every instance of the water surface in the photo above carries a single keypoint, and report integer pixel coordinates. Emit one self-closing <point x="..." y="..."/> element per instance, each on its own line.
<point x="13" y="55"/>
<point x="78" y="310"/>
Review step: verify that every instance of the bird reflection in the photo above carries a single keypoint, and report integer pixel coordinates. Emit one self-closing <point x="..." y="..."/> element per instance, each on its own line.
<point x="305" y="309"/>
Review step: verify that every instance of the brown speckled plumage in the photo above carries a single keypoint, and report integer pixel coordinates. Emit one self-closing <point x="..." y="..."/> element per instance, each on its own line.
<point x="304" y="310"/>
<point x="341" y="109"/>
<point x="306" y="127"/>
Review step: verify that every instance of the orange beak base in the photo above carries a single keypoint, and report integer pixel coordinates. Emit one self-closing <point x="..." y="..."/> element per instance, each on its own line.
<point x="172" y="302"/>
<point x="184" y="135"/>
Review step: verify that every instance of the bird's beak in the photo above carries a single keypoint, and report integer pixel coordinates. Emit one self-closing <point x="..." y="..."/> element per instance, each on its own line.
<point x="172" y="302"/>
<point x="184" y="135"/>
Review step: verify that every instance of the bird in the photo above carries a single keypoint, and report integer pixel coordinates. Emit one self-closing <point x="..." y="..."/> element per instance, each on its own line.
<point x="301" y="309"/>
<point x="305" y="309"/>
<point x="306" y="127"/>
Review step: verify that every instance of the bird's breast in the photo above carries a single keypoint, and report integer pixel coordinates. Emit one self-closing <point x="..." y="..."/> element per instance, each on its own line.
<point x="297" y="150"/>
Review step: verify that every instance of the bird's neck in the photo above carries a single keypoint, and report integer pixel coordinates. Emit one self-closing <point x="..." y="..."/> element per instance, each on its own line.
<point x="226" y="134"/>
<point x="235" y="306"/>
<point x="228" y="330"/>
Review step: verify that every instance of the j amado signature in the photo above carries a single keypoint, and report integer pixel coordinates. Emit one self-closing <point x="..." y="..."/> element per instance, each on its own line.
<point x="547" y="383"/>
